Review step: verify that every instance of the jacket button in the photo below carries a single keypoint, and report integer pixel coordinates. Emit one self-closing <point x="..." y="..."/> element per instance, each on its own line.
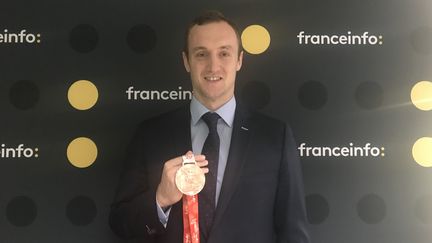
<point x="150" y="231"/>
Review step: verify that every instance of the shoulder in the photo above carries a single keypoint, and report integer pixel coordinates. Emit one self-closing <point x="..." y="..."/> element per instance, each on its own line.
<point x="166" y="117"/>
<point x="164" y="121"/>
<point x="266" y="124"/>
<point x="262" y="120"/>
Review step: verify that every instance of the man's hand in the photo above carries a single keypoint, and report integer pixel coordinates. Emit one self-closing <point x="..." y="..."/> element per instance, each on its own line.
<point x="167" y="192"/>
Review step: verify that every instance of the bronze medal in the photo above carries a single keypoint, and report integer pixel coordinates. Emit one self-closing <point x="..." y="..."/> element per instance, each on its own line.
<point x="190" y="179"/>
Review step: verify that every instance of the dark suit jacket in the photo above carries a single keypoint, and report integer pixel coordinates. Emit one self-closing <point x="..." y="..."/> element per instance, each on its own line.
<point x="261" y="199"/>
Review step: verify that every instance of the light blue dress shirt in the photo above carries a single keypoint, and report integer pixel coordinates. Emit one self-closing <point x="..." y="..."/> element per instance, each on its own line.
<point x="199" y="132"/>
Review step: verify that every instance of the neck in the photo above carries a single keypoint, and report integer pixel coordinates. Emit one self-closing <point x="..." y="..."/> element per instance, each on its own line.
<point x="213" y="105"/>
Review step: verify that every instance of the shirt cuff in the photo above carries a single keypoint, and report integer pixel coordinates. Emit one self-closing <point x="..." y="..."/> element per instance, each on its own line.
<point x="163" y="215"/>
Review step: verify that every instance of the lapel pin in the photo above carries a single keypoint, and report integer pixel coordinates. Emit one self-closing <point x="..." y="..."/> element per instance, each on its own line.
<point x="244" y="128"/>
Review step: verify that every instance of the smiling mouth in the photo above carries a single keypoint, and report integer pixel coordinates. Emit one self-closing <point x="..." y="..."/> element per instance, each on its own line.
<point x="213" y="78"/>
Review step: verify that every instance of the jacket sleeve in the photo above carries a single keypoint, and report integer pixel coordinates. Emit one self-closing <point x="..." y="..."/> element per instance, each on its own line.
<point x="290" y="212"/>
<point x="133" y="212"/>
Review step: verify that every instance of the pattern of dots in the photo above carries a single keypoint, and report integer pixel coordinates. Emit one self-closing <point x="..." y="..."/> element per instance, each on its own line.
<point x="24" y="95"/>
<point x="84" y="38"/>
<point x="45" y="194"/>
<point x="21" y="211"/>
<point x="318" y="209"/>
<point x="312" y="95"/>
<point x="421" y="39"/>
<point x="423" y="209"/>
<point x="369" y="95"/>
<point x="81" y="210"/>
<point x="141" y="38"/>
<point x="256" y="95"/>
<point x="371" y="209"/>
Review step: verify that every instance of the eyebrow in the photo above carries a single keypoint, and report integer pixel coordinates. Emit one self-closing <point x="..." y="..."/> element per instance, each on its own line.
<point x="199" y="48"/>
<point x="226" y="47"/>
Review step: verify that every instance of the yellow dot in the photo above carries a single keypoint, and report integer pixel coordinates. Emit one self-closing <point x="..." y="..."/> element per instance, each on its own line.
<point x="83" y="95"/>
<point x="82" y="152"/>
<point x="421" y="95"/>
<point x="255" y="39"/>
<point x="422" y="151"/>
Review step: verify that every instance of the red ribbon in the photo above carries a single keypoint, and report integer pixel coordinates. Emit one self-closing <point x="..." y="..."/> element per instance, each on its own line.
<point x="190" y="219"/>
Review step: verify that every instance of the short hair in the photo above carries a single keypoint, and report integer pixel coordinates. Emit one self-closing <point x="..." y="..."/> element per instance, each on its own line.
<point x="207" y="17"/>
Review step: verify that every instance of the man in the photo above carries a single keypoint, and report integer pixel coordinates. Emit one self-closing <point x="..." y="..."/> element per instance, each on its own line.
<point x="253" y="190"/>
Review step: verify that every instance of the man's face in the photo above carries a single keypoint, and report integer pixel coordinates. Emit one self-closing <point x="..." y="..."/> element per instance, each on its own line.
<point x="213" y="61"/>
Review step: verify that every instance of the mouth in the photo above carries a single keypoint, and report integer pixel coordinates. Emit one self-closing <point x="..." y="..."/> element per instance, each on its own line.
<point x="212" y="78"/>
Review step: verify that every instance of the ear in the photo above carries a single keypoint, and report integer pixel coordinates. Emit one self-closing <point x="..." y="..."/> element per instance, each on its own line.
<point x="240" y="61"/>
<point x="186" y="62"/>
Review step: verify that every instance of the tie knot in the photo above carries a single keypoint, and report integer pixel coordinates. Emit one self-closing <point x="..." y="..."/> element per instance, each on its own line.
<point x="211" y="119"/>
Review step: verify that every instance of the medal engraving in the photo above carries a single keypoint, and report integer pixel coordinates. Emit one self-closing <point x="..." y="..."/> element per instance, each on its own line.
<point x="190" y="179"/>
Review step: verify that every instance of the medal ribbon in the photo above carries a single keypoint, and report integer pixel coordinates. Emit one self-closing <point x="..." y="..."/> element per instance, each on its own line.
<point x="190" y="219"/>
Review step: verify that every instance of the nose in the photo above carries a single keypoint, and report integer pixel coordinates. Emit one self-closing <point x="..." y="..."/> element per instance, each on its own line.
<point x="213" y="63"/>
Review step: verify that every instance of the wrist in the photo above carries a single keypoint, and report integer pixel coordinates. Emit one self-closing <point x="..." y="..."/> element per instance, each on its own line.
<point x="162" y="203"/>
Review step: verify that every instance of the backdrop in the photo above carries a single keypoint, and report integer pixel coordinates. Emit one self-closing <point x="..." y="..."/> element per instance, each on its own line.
<point x="351" y="77"/>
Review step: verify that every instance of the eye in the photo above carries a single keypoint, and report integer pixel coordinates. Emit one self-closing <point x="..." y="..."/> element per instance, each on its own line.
<point x="200" y="54"/>
<point x="225" y="54"/>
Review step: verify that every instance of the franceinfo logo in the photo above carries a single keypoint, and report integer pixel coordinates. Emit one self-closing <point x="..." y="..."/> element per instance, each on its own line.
<point x="350" y="39"/>
<point x="349" y="150"/>
<point x="19" y="151"/>
<point x="19" y="37"/>
<point x="133" y="93"/>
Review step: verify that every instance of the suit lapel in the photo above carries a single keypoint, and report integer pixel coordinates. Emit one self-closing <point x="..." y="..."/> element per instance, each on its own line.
<point x="180" y="140"/>
<point x="181" y="130"/>
<point x="239" y="143"/>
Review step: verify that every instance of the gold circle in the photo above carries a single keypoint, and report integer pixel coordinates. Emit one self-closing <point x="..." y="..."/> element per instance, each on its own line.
<point x="255" y="39"/>
<point x="83" y="95"/>
<point x="421" y="151"/>
<point x="421" y="95"/>
<point x="82" y="152"/>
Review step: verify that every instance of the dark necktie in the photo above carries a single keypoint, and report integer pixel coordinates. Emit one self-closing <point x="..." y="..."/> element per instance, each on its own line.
<point x="207" y="197"/>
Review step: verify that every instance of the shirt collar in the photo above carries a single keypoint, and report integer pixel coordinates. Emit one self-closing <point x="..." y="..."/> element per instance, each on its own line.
<point x="226" y="112"/>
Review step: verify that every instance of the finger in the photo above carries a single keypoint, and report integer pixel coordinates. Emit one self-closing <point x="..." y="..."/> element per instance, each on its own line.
<point x="174" y="168"/>
<point x="188" y="155"/>
<point x="205" y="170"/>
<point x="174" y="162"/>
<point x="199" y="157"/>
<point x="202" y="163"/>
